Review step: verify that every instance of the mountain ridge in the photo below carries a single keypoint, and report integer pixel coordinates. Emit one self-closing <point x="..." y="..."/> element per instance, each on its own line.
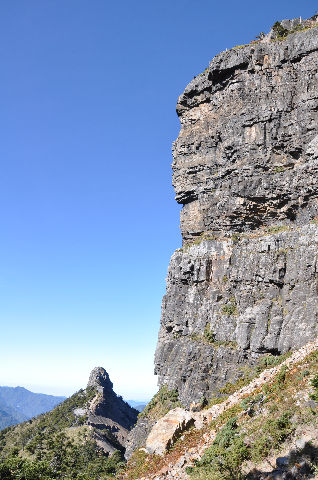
<point x="81" y="438"/>
<point x="19" y="404"/>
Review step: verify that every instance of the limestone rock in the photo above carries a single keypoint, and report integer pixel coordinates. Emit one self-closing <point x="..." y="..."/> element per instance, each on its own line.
<point x="245" y="169"/>
<point x="167" y="429"/>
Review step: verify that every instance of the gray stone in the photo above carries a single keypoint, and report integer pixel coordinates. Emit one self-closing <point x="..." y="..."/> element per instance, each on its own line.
<point x="301" y="443"/>
<point x="282" y="462"/>
<point x="257" y="296"/>
<point x="245" y="169"/>
<point x="109" y="415"/>
<point x="99" y="379"/>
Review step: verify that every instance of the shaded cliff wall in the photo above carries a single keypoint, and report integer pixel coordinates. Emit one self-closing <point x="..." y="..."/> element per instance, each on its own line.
<point x="245" y="169"/>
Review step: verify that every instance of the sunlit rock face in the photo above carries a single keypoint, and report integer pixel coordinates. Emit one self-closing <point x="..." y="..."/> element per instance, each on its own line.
<point x="246" y="153"/>
<point x="245" y="169"/>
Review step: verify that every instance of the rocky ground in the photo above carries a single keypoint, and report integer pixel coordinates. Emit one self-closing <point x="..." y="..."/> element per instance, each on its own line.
<point x="169" y="440"/>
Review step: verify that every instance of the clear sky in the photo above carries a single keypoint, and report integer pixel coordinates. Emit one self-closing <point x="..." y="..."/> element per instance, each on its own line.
<point x="88" y="217"/>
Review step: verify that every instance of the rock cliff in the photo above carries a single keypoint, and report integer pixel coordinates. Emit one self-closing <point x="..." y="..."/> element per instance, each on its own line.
<point x="245" y="164"/>
<point x="245" y="169"/>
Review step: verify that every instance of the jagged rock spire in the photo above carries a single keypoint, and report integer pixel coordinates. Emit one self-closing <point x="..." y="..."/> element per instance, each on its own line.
<point x="100" y="378"/>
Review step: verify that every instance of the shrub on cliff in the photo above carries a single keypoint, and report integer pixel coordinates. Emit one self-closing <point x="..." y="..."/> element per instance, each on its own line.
<point x="279" y="30"/>
<point x="223" y="460"/>
<point x="161" y="403"/>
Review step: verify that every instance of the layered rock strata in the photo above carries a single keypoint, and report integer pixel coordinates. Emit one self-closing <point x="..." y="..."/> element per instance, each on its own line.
<point x="109" y="415"/>
<point x="245" y="162"/>
<point x="245" y="167"/>
<point x="228" y="303"/>
<point x="246" y="155"/>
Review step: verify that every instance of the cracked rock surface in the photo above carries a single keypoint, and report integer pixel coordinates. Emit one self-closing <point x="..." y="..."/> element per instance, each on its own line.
<point x="245" y="168"/>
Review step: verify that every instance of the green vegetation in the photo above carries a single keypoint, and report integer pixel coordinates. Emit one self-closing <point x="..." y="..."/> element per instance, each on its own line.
<point x="271" y="435"/>
<point x="204" y="236"/>
<point x="64" y="460"/>
<point x="224" y="458"/>
<point x="279" y="169"/>
<point x="270" y="361"/>
<point x="56" y="445"/>
<point x="261" y="425"/>
<point x="237" y="47"/>
<point x="236" y="237"/>
<point x="264" y="421"/>
<point x="161" y="403"/>
<point x="279" y="30"/>
<point x="247" y="374"/>
<point x="230" y="308"/>
<point x="282" y="33"/>
<point x="249" y="403"/>
<point x="276" y="229"/>
<point x="314" y="383"/>
<point x="208" y="335"/>
<point x="50" y="423"/>
<point x="196" y="337"/>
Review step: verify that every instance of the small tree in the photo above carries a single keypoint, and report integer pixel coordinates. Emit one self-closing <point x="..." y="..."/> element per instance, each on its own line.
<point x="279" y="30"/>
<point x="260" y="36"/>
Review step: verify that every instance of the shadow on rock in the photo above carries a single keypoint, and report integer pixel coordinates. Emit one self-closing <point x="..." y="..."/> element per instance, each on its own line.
<point x="300" y="464"/>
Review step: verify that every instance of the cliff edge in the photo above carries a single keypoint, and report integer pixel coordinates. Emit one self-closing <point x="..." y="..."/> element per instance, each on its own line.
<point x="245" y="164"/>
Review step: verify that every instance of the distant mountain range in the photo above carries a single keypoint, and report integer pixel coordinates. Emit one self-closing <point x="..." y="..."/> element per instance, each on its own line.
<point x="137" y="405"/>
<point x="83" y="437"/>
<point x="17" y="404"/>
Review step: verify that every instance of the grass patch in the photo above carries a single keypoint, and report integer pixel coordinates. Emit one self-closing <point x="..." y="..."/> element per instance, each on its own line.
<point x="161" y="403"/>
<point x="276" y="229"/>
<point x="223" y="460"/>
<point x="230" y="308"/>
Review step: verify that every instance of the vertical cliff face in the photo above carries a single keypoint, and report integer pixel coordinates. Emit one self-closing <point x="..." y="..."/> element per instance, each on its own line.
<point x="245" y="165"/>
<point x="245" y="168"/>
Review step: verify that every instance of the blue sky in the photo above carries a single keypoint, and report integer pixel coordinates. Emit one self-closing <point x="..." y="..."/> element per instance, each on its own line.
<point x="88" y="217"/>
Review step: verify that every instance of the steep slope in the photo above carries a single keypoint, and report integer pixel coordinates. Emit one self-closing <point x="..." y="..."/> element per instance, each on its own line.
<point x="264" y="430"/>
<point x="9" y="415"/>
<point x="24" y="404"/>
<point x="245" y="164"/>
<point x="82" y="438"/>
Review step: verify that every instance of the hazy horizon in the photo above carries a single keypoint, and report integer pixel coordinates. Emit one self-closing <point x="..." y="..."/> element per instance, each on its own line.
<point x="47" y="391"/>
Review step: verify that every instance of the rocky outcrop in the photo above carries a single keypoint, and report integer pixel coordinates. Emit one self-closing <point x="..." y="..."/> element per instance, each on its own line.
<point x="245" y="167"/>
<point x="169" y="428"/>
<point x="175" y="464"/>
<point x="82" y="437"/>
<point x="246" y="153"/>
<point x="109" y="415"/>
<point x="229" y="303"/>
